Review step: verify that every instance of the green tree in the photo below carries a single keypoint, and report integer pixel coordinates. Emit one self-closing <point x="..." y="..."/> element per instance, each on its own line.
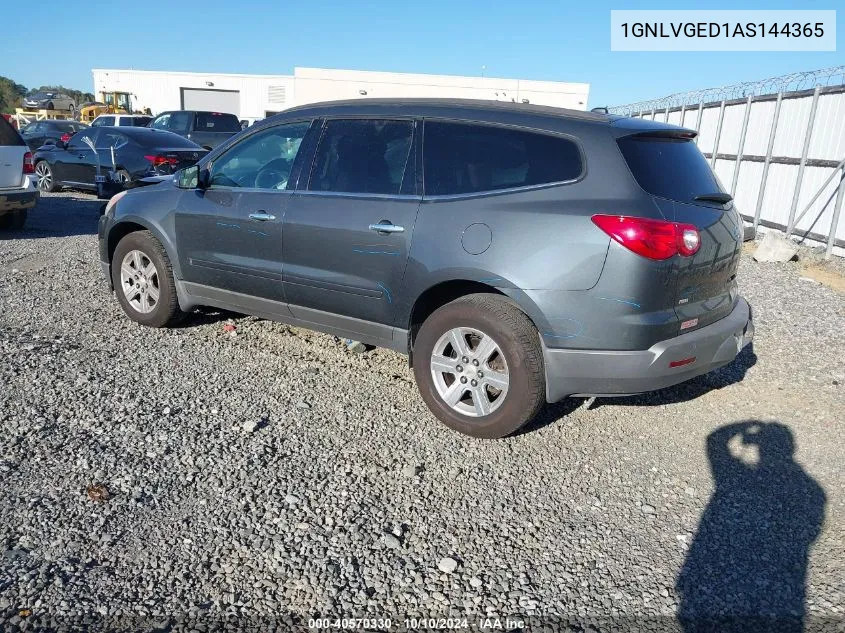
<point x="10" y="95"/>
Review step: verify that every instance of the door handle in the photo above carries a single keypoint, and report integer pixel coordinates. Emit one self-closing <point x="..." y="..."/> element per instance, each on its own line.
<point x="387" y="227"/>
<point x="261" y="216"/>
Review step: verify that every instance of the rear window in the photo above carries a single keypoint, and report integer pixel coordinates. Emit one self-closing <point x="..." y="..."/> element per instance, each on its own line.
<point x="465" y="158"/>
<point x="669" y="167"/>
<point x="140" y="121"/>
<point x="8" y="135"/>
<point x="161" y="138"/>
<point x="69" y="126"/>
<point x="217" y="122"/>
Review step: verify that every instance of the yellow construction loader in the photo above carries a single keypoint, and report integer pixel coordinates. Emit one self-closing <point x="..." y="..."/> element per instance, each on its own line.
<point x="110" y="103"/>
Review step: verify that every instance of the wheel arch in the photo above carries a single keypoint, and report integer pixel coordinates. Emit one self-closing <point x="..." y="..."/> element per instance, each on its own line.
<point x="444" y="292"/>
<point x="132" y="224"/>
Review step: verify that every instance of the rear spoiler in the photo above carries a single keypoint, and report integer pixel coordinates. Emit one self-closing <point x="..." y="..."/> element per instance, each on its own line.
<point x="650" y="128"/>
<point x="677" y="133"/>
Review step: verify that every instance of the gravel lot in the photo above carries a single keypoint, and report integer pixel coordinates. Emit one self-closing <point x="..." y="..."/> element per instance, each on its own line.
<point x="271" y="473"/>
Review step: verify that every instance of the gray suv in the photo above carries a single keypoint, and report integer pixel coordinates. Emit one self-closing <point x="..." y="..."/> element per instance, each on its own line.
<point x="517" y="254"/>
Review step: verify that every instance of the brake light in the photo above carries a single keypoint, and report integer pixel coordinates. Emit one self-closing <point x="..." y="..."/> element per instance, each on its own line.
<point x="162" y="160"/>
<point x="654" y="239"/>
<point x="28" y="167"/>
<point x="64" y="138"/>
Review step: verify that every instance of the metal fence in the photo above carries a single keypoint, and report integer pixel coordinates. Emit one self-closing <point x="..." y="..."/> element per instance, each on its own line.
<point x="779" y="144"/>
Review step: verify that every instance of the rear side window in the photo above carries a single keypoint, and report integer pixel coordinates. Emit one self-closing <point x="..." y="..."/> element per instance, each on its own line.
<point x="669" y="167"/>
<point x="69" y="126"/>
<point x="217" y="122"/>
<point x="462" y="158"/>
<point x="362" y="156"/>
<point x="103" y="120"/>
<point x="8" y="135"/>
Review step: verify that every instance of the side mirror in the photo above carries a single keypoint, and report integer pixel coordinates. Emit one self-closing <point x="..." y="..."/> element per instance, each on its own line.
<point x="188" y="178"/>
<point x="204" y="179"/>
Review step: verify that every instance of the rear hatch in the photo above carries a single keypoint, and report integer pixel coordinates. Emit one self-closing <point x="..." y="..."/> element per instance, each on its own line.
<point x="668" y="165"/>
<point x="12" y="150"/>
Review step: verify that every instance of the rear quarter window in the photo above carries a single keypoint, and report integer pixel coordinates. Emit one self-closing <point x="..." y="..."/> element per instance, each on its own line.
<point x="669" y="167"/>
<point x="217" y="122"/>
<point x="461" y="158"/>
<point x="8" y="135"/>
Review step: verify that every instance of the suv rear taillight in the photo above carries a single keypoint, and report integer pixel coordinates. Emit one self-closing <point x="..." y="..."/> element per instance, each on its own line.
<point x="64" y="138"/>
<point x="655" y="239"/>
<point x="28" y="167"/>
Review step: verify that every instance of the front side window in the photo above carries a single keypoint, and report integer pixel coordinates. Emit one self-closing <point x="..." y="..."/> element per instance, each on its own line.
<point x="362" y="156"/>
<point x="463" y="158"/>
<point x="261" y="161"/>
<point x="180" y="122"/>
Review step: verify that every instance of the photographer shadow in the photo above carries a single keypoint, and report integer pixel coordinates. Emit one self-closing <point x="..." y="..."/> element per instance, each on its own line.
<point x="746" y="567"/>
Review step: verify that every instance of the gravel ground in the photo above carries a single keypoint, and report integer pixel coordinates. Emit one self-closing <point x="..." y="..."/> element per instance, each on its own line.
<point x="159" y="479"/>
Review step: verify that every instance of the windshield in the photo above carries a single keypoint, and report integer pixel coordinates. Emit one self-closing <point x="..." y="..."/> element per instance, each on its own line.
<point x="669" y="167"/>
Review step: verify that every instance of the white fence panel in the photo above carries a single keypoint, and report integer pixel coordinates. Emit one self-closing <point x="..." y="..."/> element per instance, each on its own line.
<point x="780" y="188"/>
<point x="814" y="178"/>
<point x="707" y="133"/>
<point x="828" y="140"/>
<point x="748" y="186"/>
<point x="759" y="128"/>
<point x="725" y="171"/>
<point x="731" y="129"/>
<point x="690" y="117"/>
<point x="792" y="127"/>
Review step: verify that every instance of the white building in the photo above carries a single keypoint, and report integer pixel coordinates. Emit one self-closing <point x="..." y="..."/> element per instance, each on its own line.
<point x="258" y="96"/>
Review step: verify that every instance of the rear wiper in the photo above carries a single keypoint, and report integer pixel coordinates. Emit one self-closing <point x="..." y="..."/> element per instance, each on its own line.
<point x="715" y="197"/>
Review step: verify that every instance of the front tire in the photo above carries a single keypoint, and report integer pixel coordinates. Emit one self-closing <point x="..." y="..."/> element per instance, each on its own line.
<point x="143" y="281"/>
<point x="479" y="366"/>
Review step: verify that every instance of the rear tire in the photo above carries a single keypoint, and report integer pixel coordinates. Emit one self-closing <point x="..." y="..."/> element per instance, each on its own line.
<point x="50" y="106"/>
<point x="496" y="382"/>
<point x="44" y="176"/>
<point x="143" y="281"/>
<point x="6" y="220"/>
<point x="123" y="177"/>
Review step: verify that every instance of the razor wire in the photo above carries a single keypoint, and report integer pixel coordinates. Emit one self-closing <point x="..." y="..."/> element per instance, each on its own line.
<point x="792" y="82"/>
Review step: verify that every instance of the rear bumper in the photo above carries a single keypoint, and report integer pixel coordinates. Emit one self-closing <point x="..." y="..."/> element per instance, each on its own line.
<point x="23" y="198"/>
<point x="615" y="373"/>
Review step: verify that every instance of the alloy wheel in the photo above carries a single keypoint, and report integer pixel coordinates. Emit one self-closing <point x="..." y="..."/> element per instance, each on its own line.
<point x="470" y="372"/>
<point x="43" y="176"/>
<point x="139" y="281"/>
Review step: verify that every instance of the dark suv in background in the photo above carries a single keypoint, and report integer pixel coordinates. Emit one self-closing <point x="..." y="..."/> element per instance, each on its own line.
<point x="206" y="129"/>
<point x="518" y="254"/>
